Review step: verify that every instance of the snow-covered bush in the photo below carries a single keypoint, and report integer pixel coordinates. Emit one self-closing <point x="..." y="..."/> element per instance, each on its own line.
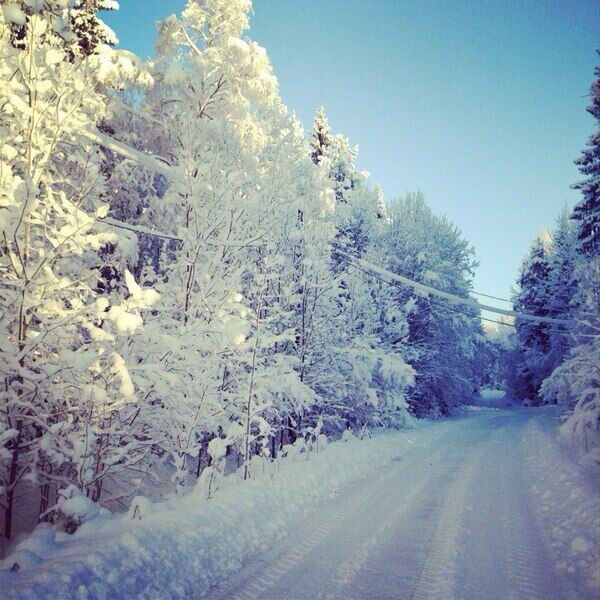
<point x="73" y="508"/>
<point x="575" y="383"/>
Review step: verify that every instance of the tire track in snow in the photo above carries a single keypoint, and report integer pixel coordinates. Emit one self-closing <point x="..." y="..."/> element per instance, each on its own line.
<point x="349" y="569"/>
<point x="354" y="502"/>
<point x="502" y="557"/>
<point x="456" y="523"/>
<point x="274" y="573"/>
<point x="521" y="566"/>
<point x="438" y="576"/>
<point x="394" y="569"/>
<point x="524" y="561"/>
<point x="271" y="575"/>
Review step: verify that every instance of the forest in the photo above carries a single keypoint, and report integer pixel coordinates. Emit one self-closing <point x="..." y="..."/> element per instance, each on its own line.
<point x="183" y="291"/>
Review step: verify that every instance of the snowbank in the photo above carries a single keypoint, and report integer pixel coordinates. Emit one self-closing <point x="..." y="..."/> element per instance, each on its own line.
<point x="567" y="500"/>
<point x="182" y="547"/>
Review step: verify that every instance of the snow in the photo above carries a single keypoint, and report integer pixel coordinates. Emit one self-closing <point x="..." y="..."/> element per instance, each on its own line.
<point x="492" y="399"/>
<point x="452" y="518"/>
<point x="34" y="5"/>
<point x="119" y="368"/>
<point x="212" y="537"/>
<point x="150" y="162"/>
<point x="256" y="337"/>
<point x="568" y="499"/>
<point x="125" y="322"/>
<point x="545" y="236"/>
<point x="54" y="56"/>
<point x="14" y="14"/>
<point x="410" y="305"/>
<point x="217" y="448"/>
<point x="74" y="504"/>
<point x="140" y="298"/>
<point x="580" y="544"/>
<point x="238" y="46"/>
<point x="174" y="74"/>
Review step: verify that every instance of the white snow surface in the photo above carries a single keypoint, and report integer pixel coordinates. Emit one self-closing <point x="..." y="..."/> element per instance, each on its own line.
<point x="486" y="506"/>
<point x="14" y="14"/>
<point x="492" y="399"/>
<point x="568" y="504"/>
<point x="74" y="504"/>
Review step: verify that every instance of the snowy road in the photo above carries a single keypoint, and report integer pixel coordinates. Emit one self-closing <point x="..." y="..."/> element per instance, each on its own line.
<point x="453" y="520"/>
<point x="481" y="507"/>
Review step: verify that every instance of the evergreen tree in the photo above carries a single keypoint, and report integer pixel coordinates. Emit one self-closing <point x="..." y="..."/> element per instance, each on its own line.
<point x="575" y="383"/>
<point x="75" y="24"/>
<point x="382" y="212"/>
<point x="529" y="364"/>
<point x="440" y="338"/>
<point x="372" y="373"/>
<point x="563" y="286"/>
<point x="89" y="30"/>
<point x="320" y="136"/>
<point x="587" y="211"/>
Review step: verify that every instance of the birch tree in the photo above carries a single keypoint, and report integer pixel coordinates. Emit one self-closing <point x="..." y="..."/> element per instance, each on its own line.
<point x="62" y="373"/>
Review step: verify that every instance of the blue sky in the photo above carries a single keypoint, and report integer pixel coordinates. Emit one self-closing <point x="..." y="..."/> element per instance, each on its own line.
<point x="480" y="105"/>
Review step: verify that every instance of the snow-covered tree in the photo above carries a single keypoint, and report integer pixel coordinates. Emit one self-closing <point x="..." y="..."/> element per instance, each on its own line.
<point x="563" y="286"/>
<point x="320" y="135"/>
<point x="529" y="362"/>
<point x="66" y="384"/>
<point x="206" y="80"/>
<point x="587" y="211"/>
<point x="549" y="286"/>
<point x="226" y="346"/>
<point x="75" y="24"/>
<point x="493" y="352"/>
<point x="252" y="325"/>
<point x="382" y="212"/>
<point x="374" y="373"/>
<point x="441" y="337"/>
<point x="575" y="383"/>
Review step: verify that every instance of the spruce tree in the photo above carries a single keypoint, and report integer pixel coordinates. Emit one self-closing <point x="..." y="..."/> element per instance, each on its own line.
<point x="431" y="250"/>
<point x="587" y="211"/>
<point x="320" y="137"/>
<point x="563" y="285"/>
<point x="527" y="367"/>
<point x="74" y="24"/>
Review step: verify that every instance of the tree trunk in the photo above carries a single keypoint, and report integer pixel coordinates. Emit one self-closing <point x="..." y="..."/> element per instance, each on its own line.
<point x="10" y="488"/>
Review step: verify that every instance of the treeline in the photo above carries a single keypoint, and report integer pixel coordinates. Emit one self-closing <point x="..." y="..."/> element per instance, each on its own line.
<point x="178" y="293"/>
<point x="560" y="279"/>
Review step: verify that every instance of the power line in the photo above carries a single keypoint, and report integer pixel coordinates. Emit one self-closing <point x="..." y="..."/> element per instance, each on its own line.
<point x="455" y="308"/>
<point x="450" y="297"/>
<point x="160" y="165"/>
<point x="554" y="312"/>
<point x="464" y="312"/>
